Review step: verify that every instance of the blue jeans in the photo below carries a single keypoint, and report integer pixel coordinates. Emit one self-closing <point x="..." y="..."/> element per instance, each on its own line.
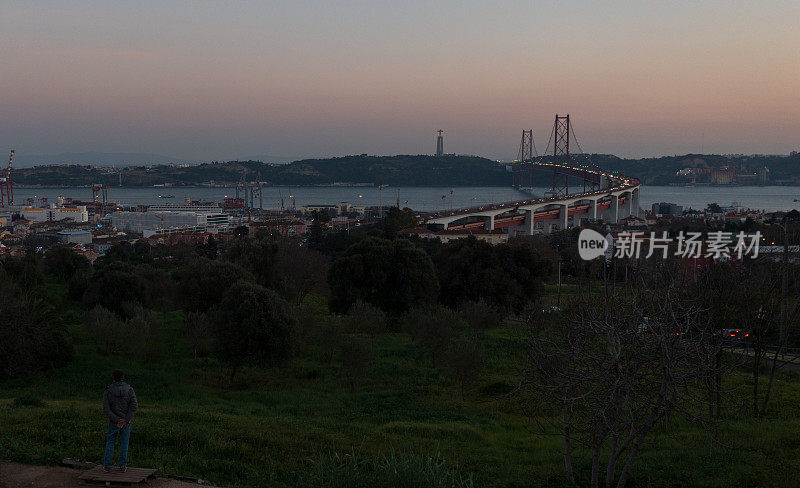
<point x="124" y="436"/>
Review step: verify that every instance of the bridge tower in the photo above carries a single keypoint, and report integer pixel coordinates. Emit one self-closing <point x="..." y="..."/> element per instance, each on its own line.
<point x="561" y="155"/>
<point x="522" y="173"/>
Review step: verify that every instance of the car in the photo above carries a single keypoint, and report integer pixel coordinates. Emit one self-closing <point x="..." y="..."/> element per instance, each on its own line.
<point x="735" y="335"/>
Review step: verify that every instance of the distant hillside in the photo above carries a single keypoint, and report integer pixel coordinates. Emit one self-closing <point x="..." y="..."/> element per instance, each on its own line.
<point x="404" y="170"/>
<point x="22" y="160"/>
<point x="784" y="170"/>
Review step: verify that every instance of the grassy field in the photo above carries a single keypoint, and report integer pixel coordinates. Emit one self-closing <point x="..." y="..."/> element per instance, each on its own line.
<point x="406" y="425"/>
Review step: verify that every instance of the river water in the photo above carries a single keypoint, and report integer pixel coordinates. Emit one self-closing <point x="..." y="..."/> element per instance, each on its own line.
<point x="426" y="199"/>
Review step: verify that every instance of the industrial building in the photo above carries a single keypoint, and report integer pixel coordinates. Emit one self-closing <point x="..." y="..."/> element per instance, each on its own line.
<point x="158" y="222"/>
<point x="54" y="213"/>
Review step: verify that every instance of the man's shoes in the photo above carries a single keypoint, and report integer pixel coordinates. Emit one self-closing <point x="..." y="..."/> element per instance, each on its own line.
<point x="124" y="469"/>
<point x="106" y="469"/>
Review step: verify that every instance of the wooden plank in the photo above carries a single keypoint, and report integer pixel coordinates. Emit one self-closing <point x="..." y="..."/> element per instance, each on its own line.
<point x="115" y="477"/>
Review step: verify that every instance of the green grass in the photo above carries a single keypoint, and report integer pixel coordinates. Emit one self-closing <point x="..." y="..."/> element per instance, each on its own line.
<point x="406" y="425"/>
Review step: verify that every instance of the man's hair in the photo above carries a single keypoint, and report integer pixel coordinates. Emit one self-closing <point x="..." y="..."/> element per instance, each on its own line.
<point x="117" y="375"/>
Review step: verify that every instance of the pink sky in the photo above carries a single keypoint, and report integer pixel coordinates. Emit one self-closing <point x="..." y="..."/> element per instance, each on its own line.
<point x="205" y="80"/>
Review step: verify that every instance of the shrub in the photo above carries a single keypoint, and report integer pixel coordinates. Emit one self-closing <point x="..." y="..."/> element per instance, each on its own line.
<point x="464" y="361"/>
<point x="433" y="328"/>
<point x="365" y="319"/>
<point x="197" y="328"/>
<point x="139" y="329"/>
<point x="356" y="357"/>
<point x="105" y="328"/>
<point x="480" y="315"/>
<point x="132" y="336"/>
<point x="330" y="337"/>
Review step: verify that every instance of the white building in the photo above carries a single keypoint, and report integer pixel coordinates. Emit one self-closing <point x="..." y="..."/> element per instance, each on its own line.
<point x="38" y="214"/>
<point x="158" y="221"/>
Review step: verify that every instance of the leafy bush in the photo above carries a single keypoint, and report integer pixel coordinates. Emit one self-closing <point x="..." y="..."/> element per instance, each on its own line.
<point x="356" y="356"/>
<point x="105" y="328"/>
<point x="32" y="336"/>
<point x="197" y="328"/>
<point x="131" y="336"/>
<point x="330" y="337"/>
<point x="365" y="319"/>
<point x="464" y="361"/>
<point x="433" y="328"/>
<point x="480" y="315"/>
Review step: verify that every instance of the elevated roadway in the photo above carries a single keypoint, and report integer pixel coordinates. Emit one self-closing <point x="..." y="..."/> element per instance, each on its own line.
<point x="617" y="198"/>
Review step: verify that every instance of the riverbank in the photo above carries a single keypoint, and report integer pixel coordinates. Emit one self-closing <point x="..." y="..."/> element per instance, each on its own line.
<point x="424" y="199"/>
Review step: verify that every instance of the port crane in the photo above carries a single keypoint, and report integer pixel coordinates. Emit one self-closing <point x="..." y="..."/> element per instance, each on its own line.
<point x="6" y="185"/>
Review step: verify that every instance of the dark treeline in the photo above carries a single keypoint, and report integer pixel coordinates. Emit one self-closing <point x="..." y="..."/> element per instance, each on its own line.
<point x="259" y="300"/>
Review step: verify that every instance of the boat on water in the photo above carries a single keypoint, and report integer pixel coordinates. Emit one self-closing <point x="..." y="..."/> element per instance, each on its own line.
<point x="166" y="196"/>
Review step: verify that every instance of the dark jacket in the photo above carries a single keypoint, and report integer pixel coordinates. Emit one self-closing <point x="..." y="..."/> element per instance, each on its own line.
<point x="119" y="401"/>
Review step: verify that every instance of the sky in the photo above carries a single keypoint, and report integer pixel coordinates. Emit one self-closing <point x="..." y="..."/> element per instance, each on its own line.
<point x="224" y="80"/>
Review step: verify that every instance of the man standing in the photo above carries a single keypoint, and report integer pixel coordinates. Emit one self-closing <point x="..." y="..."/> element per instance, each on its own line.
<point x="119" y="405"/>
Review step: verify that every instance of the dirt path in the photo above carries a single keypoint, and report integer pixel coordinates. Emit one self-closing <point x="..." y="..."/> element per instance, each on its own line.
<point x="15" y="475"/>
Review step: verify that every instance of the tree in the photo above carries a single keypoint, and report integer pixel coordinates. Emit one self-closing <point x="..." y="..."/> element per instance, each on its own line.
<point x="62" y="262"/>
<point x="302" y="270"/>
<point x="258" y="256"/>
<point x="612" y="372"/>
<point x="464" y="361"/>
<point x="433" y="328"/>
<point x="201" y="282"/>
<point x="23" y="271"/>
<point x="318" y="224"/>
<point x="391" y="275"/>
<point x="252" y="325"/>
<point x="114" y="285"/>
<point x="363" y="318"/>
<point x="507" y="276"/>
<point x="139" y="330"/>
<point x="105" y="327"/>
<point x="480" y="315"/>
<point x="32" y="335"/>
<point x="132" y="336"/>
<point x="395" y="220"/>
<point x="197" y="328"/>
<point x="356" y="357"/>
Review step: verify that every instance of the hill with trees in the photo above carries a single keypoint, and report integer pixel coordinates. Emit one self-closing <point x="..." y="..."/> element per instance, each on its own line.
<point x="401" y="170"/>
<point x="405" y="170"/>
